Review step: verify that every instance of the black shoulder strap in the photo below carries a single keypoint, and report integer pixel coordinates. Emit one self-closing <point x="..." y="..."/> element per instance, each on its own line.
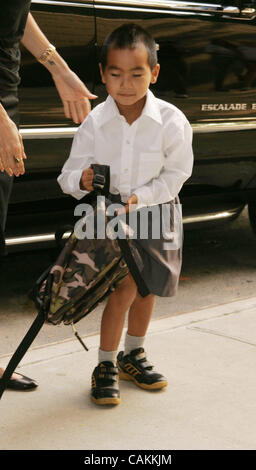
<point x="21" y="350"/>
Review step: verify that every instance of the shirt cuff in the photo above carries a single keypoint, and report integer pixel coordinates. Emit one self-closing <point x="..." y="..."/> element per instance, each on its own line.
<point x="144" y="197"/>
<point x="77" y="192"/>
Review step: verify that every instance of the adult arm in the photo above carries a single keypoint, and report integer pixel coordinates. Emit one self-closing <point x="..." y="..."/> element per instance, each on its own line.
<point x="73" y="93"/>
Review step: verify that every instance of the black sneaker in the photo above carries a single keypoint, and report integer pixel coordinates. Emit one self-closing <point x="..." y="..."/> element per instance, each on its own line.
<point x="105" y="384"/>
<point x="134" y="366"/>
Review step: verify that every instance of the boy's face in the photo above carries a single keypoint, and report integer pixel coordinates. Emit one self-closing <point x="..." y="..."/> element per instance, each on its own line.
<point x="127" y="74"/>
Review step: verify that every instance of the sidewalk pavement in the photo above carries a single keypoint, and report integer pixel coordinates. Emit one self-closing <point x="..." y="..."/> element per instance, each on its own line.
<point x="209" y="359"/>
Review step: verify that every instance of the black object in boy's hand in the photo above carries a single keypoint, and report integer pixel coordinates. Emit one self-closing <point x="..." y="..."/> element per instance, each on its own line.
<point x="101" y="178"/>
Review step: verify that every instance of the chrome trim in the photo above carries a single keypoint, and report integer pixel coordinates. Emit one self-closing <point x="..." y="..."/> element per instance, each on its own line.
<point x="50" y="237"/>
<point x="69" y="4"/>
<point x="26" y="240"/>
<point x="207" y="217"/>
<point x="233" y="119"/>
<point x="69" y="132"/>
<point x="230" y="10"/>
<point x="169" y="4"/>
<point x="48" y="133"/>
<point x="154" y="3"/>
<point x="148" y="10"/>
<point x="223" y="127"/>
<point x="248" y="13"/>
<point x="157" y="6"/>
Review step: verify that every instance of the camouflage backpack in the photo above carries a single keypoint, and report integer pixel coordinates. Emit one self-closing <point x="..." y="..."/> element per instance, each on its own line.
<point x="84" y="273"/>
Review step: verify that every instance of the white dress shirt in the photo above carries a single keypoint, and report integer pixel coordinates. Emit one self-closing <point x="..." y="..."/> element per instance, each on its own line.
<point x="151" y="158"/>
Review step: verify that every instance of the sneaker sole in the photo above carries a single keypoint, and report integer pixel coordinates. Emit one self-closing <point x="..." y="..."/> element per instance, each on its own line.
<point x="155" y="386"/>
<point x="106" y="401"/>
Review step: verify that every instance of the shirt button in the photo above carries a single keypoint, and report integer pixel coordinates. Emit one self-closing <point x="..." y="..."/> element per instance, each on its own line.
<point x="126" y="170"/>
<point x="128" y="142"/>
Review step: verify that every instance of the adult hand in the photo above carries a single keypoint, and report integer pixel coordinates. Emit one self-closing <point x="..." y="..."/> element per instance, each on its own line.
<point x="11" y="147"/>
<point x="74" y="95"/>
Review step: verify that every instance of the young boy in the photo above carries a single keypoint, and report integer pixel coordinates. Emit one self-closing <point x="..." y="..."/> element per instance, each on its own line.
<point x="147" y="143"/>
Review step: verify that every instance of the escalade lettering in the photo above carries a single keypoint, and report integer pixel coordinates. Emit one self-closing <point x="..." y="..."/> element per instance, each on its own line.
<point x="226" y="107"/>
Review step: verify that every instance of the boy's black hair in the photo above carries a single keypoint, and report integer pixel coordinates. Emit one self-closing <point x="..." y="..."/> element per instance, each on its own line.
<point x="128" y="36"/>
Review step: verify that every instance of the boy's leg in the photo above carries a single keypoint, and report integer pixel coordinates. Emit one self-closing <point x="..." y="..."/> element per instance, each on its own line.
<point x="133" y="365"/>
<point x="105" y="389"/>
<point x="114" y="314"/>
<point x="139" y="317"/>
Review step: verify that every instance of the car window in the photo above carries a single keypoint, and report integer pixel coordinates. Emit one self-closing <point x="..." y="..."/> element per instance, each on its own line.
<point x="72" y="30"/>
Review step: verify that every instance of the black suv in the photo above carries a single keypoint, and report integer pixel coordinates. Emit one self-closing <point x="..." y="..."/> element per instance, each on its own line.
<point x="207" y="54"/>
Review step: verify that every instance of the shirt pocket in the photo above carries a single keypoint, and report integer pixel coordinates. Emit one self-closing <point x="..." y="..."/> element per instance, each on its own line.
<point x="150" y="164"/>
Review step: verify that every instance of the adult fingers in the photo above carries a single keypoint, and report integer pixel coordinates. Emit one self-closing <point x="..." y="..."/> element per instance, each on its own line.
<point x="73" y="112"/>
<point x="8" y="170"/>
<point x="23" y="154"/>
<point x="83" y="108"/>
<point x="17" y="166"/>
<point x="66" y="109"/>
<point x="12" y="157"/>
<point x="8" y="164"/>
<point x="86" y="107"/>
<point x="20" y="166"/>
<point x="77" y="110"/>
<point x="11" y="146"/>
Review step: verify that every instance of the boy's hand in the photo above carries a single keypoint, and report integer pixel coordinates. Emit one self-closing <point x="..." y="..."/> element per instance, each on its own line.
<point x="87" y="180"/>
<point x="133" y="200"/>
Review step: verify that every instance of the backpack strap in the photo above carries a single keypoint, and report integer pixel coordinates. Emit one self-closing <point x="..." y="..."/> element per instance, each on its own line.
<point x="101" y="180"/>
<point x="133" y="268"/>
<point x="60" y="241"/>
<point x="21" y="350"/>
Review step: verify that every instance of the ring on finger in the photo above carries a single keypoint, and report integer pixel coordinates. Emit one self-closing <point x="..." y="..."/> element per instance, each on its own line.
<point x="17" y="160"/>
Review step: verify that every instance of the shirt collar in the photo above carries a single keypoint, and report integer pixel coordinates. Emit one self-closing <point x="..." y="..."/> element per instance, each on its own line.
<point x="151" y="108"/>
<point x="111" y="111"/>
<point x="108" y="112"/>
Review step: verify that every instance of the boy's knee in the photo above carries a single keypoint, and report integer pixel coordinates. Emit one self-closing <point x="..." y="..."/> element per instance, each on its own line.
<point x="148" y="298"/>
<point x="128" y="286"/>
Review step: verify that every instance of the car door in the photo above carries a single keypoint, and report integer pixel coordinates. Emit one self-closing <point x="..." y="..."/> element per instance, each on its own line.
<point x="47" y="134"/>
<point x="207" y="56"/>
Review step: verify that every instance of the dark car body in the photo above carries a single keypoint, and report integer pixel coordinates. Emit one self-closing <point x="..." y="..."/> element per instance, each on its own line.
<point x="207" y="55"/>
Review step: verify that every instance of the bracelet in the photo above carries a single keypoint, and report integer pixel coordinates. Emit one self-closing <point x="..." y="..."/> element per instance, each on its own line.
<point x="46" y="54"/>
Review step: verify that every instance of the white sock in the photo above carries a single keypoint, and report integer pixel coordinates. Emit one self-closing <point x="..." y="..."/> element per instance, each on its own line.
<point x="133" y="342"/>
<point x="107" y="356"/>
